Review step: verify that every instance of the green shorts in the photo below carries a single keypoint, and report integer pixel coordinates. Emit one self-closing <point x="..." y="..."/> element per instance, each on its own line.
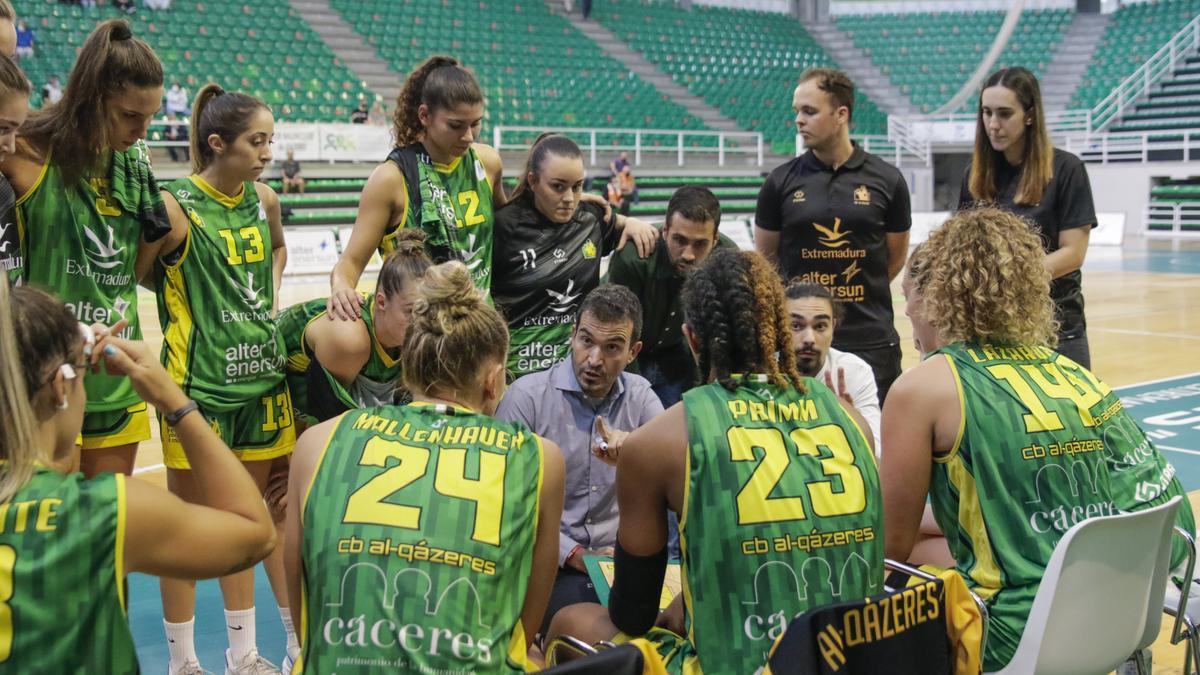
<point x="111" y="428"/>
<point x="261" y="429"/>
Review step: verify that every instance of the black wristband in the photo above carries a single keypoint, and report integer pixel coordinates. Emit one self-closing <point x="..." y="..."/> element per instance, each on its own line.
<point x="636" y="590"/>
<point x="172" y="418"/>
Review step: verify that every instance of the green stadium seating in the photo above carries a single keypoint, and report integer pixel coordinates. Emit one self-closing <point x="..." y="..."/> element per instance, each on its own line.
<point x="744" y="63"/>
<point x="929" y="56"/>
<point x="334" y="201"/>
<point x="535" y="67"/>
<point x="1134" y="33"/>
<point x="1174" y="104"/>
<point x="261" y="47"/>
<point x="1170" y="195"/>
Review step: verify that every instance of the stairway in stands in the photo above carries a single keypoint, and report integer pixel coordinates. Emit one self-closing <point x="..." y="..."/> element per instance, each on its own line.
<point x="1172" y="107"/>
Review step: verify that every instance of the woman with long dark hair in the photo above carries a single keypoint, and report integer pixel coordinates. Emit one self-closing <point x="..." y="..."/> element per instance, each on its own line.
<point x="1016" y="167"/>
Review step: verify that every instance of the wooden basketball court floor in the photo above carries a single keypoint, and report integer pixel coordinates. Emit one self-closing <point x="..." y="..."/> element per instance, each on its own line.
<point x="1143" y="313"/>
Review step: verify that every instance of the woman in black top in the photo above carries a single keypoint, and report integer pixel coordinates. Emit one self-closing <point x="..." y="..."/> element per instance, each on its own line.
<point x="1016" y="167"/>
<point x="546" y="252"/>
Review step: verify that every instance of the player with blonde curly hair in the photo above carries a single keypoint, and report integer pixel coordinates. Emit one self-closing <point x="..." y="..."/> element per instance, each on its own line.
<point x="998" y="427"/>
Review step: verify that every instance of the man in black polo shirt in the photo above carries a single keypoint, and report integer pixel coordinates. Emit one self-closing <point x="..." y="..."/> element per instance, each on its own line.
<point x="689" y="234"/>
<point x="839" y="217"/>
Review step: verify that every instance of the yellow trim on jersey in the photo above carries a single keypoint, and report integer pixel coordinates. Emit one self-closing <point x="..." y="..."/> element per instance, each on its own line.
<point x="383" y="355"/>
<point x="458" y="407"/>
<point x="449" y="168"/>
<point x="187" y="248"/>
<point x="179" y="324"/>
<point x="218" y="196"/>
<point x="984" y="572"/>
<point x="317" y="469"/>
<point x="36" y="183"/>
<point x="119" y="546"/>
<point x="517" y="652"/>
<point x="407" y="206"/>
<point x="962" y="415"/>
<point x="688" y="604"/>
<point x="298" y="666"/>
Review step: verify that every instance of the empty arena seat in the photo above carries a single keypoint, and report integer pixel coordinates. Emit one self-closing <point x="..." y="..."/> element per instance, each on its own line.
<point x="262" y="48"/>
<point x="1134" y="33"/>
<point x="929" y="55"/>
<point x="744" y="63"/>
<point x="534" y="66"/>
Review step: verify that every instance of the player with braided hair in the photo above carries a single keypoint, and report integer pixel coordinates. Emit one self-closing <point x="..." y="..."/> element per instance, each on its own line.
<point x="795" y="456"/>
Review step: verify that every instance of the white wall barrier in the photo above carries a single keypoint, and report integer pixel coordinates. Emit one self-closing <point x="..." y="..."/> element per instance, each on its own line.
<point x="339" y="142"/>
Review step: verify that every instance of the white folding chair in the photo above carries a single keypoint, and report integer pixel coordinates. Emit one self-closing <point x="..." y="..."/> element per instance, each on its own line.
<point x="1100" y="599"/>
<point x="1180" y="604"/>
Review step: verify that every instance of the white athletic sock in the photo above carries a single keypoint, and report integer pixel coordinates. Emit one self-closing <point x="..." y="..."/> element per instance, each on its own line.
<point x="293" y="644"/>
<point x="239" y="625"/>
<point x="180" y="642"/>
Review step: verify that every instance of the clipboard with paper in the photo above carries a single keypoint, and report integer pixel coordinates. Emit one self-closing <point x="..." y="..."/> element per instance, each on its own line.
<point x="600" y="570"/>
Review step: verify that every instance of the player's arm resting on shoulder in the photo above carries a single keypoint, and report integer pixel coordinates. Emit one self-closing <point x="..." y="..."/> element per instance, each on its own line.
<point x="897" y="252"/>
<point x="644" y="473"/>
<point x="495" y="171"/>
<point x="1072" y="249"/>
<point x="149" y="253"/>
<point x="545" y="545"/>
<point x="341" y="348"/>
<point x="909" y="420"/>
<point x="270" y="202"/>
<point x="303" y="465"/>
<point x="383" y="201"/>
<point x="163" y="533"/>
<point x="642" y="234"/>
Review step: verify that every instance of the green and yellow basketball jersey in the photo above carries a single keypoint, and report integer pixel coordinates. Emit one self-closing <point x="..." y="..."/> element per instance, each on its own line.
<point x="419" y="529"/>
<point x="377" y="379"/>
<point x="62" y="604"/>
<point x="468" y="190"/>
<point x="214" y="302"/>
<point x="782" y="513"/>
<point x="81" y="246"/>
<point x="1037" y="452"/>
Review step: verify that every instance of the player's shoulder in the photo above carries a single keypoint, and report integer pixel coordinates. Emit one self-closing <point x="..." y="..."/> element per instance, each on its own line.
<point x="488" y="156"/>
<point x="266" y="194"/>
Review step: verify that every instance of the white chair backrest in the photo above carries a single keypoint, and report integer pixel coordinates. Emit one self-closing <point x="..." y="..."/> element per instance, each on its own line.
<point x="1101" y="597"/>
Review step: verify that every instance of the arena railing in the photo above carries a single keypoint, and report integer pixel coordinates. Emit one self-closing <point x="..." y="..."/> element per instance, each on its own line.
<point x="897" y="152"/>
<point x="1158" y="146"/>
<point x="1137" y="85"/>
<point x="1182" y="218"/>
<point x="600" y="142"/>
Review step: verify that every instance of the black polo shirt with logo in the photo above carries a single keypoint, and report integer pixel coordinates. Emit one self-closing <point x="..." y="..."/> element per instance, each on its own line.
<point x="1066" y="204"/>
<point x="833" y="227"/>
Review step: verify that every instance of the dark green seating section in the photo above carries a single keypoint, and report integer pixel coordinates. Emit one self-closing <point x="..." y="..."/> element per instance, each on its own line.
<point x="1173" y="105"/>
<point x="334" y="201"/>
<point x="257" y="46"/>
<point x="534" y="66"/>
<point x="928" y="56"/>
<point x="1166" y="199"/>
<point x="1134" y="33"/>
<point x="745" y="63"/>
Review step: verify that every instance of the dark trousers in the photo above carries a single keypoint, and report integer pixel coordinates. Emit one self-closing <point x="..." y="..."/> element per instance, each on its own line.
<point x="571" y="587"/>
<point x="884" y="362"/>
<point x="1076" y="349"/>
